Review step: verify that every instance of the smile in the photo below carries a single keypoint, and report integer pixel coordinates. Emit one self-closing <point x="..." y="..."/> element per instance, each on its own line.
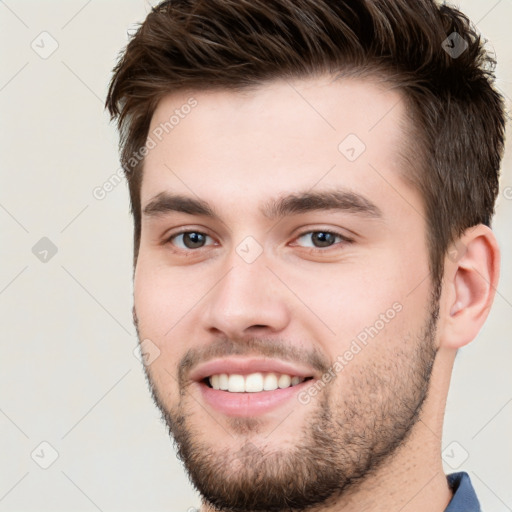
<point x="250" y="387"/>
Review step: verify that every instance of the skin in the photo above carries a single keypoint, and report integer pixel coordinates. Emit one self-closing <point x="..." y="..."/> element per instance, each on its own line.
<point x="236" y="150"/>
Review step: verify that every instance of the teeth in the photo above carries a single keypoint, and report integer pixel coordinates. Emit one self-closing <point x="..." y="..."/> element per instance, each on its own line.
<point x="270" y="382"/>
<point x="223" y="381"/>
<point x="254" y="382"/>
<point x="214" y="381"/>
<point x="236" y="384"/>
<point x="284" y="381"/>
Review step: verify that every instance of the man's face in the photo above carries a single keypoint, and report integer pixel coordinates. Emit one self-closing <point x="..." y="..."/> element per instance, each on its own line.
<point x="301" y="285"/>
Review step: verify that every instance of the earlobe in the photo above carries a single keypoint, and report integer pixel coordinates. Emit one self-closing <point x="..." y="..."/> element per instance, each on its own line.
<point x="470" y="280"/>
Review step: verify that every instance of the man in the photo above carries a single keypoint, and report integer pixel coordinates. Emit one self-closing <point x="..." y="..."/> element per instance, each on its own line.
<point x="312" y="184"/>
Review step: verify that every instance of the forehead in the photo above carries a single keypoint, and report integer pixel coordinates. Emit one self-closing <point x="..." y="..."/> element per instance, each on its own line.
<point x="276" y="137"/>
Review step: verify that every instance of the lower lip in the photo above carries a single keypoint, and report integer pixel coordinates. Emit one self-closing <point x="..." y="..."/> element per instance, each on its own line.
<point x="248" y="404"/>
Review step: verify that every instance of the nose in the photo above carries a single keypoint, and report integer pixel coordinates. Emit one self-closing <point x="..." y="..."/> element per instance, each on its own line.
<point x="247" y="301"/>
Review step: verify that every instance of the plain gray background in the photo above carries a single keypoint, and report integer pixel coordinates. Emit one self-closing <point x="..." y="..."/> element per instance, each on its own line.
<point x="69" y="377"/>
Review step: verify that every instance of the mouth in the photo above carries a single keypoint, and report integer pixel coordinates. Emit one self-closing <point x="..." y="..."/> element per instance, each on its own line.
<point x="250" y="387"/>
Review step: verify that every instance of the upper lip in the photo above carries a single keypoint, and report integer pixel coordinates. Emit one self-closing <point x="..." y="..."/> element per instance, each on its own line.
<point x="246" y="366"/>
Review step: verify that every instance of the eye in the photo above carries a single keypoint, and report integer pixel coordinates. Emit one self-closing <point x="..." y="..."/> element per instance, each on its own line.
<point x="189" y="240"/>
<point x="320" y="239"/>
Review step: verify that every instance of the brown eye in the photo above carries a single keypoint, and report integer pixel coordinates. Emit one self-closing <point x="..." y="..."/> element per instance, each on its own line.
<point x="320" y="239"/>
<point x="189" y="240"/>
<point x="323" y="239"/>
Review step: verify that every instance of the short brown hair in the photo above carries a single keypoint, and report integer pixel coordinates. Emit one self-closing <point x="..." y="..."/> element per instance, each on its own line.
<point x="456" y="113"/>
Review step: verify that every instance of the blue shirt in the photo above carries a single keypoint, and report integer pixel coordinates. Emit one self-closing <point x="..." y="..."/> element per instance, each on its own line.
<point x="464" y="497"/>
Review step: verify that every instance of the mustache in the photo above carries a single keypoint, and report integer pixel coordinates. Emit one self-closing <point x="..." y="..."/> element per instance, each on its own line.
<point x="275" y="348"/>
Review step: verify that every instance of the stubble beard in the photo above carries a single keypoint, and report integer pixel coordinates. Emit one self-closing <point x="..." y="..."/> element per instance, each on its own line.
<point x="342" y="444"/>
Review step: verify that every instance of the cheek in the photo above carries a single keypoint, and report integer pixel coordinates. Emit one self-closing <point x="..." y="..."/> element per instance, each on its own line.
<point x="158" y="307"/>
<point x="166" y="301"/>
<point x="374" y="301"/>
<point x="163" y="296"/>
<point x="152" y="301"/>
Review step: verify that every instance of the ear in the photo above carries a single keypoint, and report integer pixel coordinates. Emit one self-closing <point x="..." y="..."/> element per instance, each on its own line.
<point x="471" y="276"/>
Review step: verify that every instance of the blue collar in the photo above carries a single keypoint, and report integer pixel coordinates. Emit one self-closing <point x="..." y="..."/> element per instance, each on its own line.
<point x="464" y="497"/>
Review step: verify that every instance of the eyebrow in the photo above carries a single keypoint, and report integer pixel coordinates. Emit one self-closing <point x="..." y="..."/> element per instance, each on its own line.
<point x="164" y="203"/>
<point x="292" y="204"/>
<point x="304" y="202"/>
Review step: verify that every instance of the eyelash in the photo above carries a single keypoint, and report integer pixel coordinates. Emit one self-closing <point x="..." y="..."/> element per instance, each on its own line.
<point x="343" y="238"/>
